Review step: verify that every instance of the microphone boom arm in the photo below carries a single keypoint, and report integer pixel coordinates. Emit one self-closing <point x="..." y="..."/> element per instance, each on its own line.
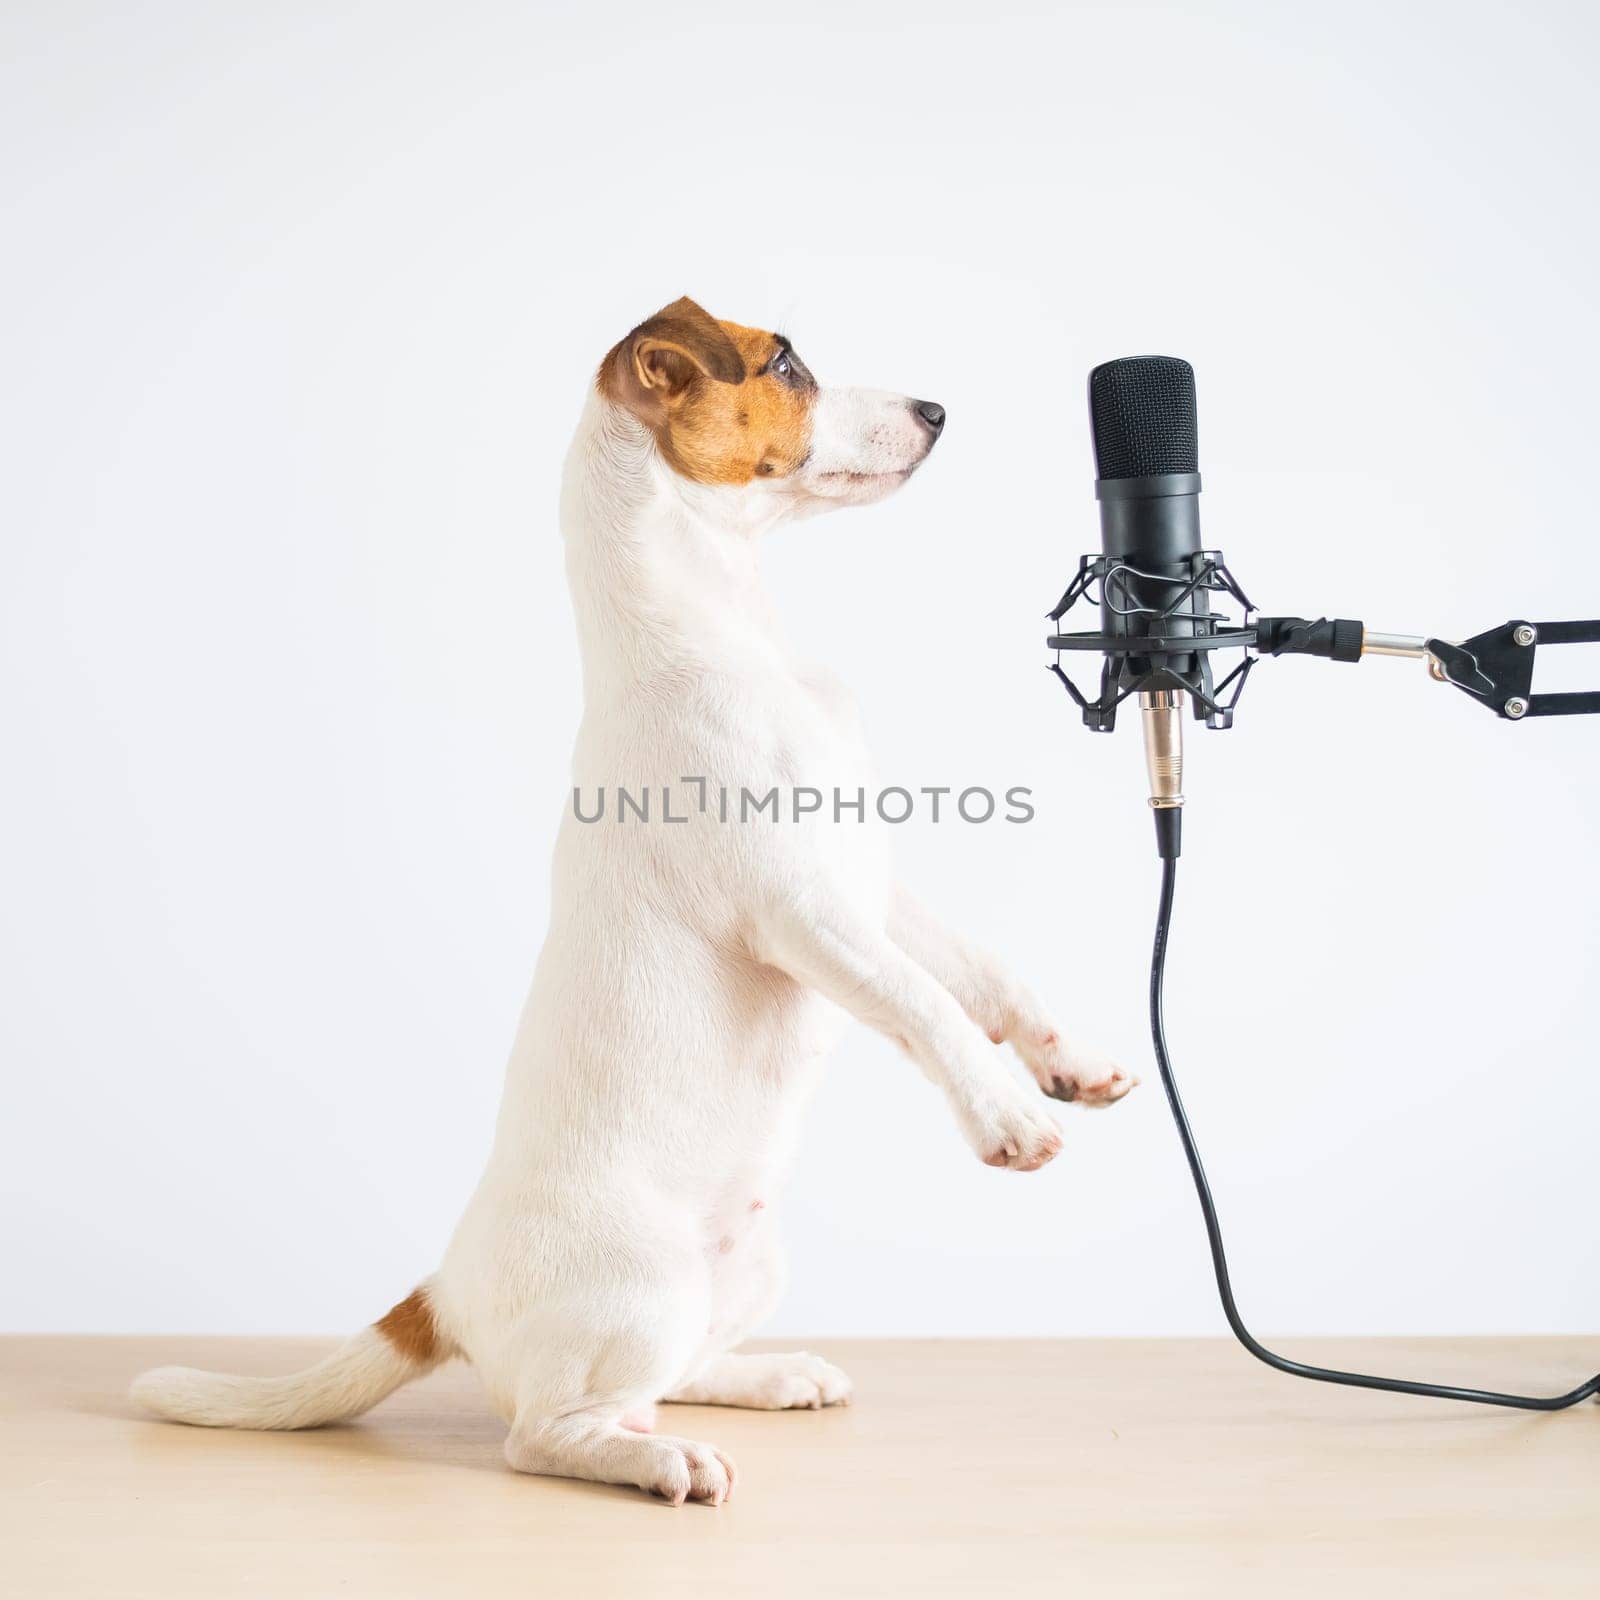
<point x="1495" y="668"/>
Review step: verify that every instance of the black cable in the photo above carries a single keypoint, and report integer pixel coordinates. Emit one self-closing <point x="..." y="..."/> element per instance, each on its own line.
<point x="1158" y="963"/>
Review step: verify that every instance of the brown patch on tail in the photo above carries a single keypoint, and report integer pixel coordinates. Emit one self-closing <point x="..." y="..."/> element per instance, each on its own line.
<point x="411" y="1329"/>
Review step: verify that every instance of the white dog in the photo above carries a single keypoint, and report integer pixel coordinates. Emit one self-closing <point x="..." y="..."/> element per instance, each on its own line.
<point x="622" y="1240"/>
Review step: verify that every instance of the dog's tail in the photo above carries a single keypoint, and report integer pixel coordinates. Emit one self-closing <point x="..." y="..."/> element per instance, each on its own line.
<point x="401" y="1346"/>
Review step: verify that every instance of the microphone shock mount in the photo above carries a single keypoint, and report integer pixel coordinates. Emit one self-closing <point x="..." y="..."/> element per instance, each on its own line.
<point x="1169" y="647"/>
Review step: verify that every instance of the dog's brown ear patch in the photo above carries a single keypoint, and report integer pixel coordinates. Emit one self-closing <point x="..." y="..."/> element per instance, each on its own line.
<point x="708" y="393"/>
<point x="411" y="1329"/>
<point x="653" y="366"/>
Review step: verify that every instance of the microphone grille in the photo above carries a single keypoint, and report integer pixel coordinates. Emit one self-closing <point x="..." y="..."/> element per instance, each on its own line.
<point x="1142" y="412"/>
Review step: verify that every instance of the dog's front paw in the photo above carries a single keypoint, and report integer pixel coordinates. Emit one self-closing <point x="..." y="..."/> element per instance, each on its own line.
<point x="1083" y="1077"/>
<point x="1007" y="1129"/>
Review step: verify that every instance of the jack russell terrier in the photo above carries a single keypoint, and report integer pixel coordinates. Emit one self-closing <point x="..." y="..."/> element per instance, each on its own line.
<point x="622" y="1240"/>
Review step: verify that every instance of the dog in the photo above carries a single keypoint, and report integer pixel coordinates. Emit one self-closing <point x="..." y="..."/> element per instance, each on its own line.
<point x="622" y="1241"/>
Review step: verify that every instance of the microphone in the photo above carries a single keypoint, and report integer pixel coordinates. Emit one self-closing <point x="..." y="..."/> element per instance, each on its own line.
<point x="1147" y="471"/>
<point x="1157" y="638"/>
<point x="1153" y="582"/>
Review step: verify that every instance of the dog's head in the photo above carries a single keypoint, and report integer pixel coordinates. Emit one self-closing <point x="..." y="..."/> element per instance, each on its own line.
<point x="737" y="407"/>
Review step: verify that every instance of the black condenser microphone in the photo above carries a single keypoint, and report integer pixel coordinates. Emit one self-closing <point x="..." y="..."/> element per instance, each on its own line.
<point x="1158" y="639"/>
<point x="1147" y="469"/>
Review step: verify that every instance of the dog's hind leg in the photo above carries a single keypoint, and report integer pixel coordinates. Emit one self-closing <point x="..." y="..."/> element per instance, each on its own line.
<point x="793" y="1381"/>
<point x="592" y="1443"/>
<point x="745" y="1291"/>
<point x="587" y="1378"/>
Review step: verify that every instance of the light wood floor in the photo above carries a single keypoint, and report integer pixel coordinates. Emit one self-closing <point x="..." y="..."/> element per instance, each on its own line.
<point x="1085" y="1468"/>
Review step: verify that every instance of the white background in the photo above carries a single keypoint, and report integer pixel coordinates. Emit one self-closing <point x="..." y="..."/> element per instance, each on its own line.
<point x="299" y="306"/>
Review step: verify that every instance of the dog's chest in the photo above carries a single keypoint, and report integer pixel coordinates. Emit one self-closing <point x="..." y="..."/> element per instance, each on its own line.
<point x="835" y="784"/>
<point x="827" y="721"/>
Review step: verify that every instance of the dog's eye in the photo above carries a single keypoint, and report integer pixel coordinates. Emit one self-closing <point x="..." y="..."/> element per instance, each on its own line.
<point x="782" y="366"/>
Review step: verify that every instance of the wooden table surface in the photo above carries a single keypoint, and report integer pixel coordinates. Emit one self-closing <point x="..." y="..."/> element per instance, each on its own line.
<point x="994" y="1468"/>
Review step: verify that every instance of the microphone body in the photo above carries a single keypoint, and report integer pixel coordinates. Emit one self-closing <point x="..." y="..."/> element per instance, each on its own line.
<point x="1146" y="447"/>
<point x="1143" y="415"/>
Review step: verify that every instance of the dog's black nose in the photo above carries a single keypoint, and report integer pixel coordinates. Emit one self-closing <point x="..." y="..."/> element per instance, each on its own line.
<point x="932" y="413"/>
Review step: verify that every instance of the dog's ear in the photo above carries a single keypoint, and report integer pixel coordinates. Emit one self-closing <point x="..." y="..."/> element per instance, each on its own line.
<point x="658" y="361"/>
